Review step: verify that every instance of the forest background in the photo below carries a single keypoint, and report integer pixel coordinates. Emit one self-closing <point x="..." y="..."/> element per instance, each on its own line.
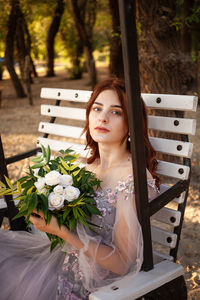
<point x="75" y="44"/>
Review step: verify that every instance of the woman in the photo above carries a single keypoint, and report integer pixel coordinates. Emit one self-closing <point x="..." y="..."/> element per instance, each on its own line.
<point x="92" y="260"/>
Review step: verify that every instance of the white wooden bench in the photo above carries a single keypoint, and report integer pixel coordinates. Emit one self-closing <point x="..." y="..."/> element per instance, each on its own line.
<point x="58" y="136"/>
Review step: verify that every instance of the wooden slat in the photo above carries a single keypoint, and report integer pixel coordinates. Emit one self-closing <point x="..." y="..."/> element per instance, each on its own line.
<point x="61" y="130"/>
<point x="65" y="94"/>
<point x="3" y="203"/>
<point x="168" y="216"/>
<point x="158" y="257"/>
<point x="172" y="147"/>
<point x="133" y="287"/>
<point x="56" y="145"/>
<point x="63" y="112"/>
<point x="167" y="124"/>
<point x="173" y="170"/>
<point x="163" y="237"/>
<point x="179" y="200"/>
<point x="171" y="102"/>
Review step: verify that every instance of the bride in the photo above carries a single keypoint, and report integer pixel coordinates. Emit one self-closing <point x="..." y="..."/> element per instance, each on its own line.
<point x="88" y="260"/>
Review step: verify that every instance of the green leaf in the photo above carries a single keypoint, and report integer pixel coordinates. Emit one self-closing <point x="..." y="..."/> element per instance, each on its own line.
<point x="74" y="167"/>
<point x="75" y="173"/>
<point x="22" y="212"/>
<point x="54" y="243"/>
<point x="93" y="209"/>
<point x="19" y="188"/>
<point x="72" y="223"/>
<point x="36" y="166"/>
<point x="64" y="164"/>
<point x="8" y="182"/>
<point x="2" y="184"/>
<point x="59" y="221"/>
<point x="63" y="170"/>
<point x="62" y="151"/>
<point x="37" y="159"/>
<point x="43" y="151"/>
<point x="66" y="212"/>
<point x="75" y="212"/>
<point x="49" y="216"/>
<point x="19" y="198"/>
<point x="21" y="180"/>
<point x="33" y="201"/>
<point x="44" y="201"/>
<point x="30" y="190"/>
<point x="48" y="154"/>
<point x="82" y="212"/>
<point x="31" y="172"/>
<point x="41" y="172"/>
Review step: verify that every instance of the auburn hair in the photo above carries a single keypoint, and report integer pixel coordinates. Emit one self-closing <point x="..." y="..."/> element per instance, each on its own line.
<point x="118" y="86"/>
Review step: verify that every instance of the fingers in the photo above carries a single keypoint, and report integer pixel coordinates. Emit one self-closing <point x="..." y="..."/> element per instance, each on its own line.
<point x="40" y="213"/>
<point x="37" y="222"/>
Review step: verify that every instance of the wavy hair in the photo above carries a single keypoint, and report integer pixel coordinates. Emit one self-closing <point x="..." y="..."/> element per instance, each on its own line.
<point x="118" y="86"/>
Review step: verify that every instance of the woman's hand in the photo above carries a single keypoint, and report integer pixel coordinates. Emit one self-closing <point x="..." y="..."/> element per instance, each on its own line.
<point x="40" y="224"/>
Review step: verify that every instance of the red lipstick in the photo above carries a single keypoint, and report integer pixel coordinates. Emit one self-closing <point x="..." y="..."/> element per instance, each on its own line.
<point x="101" y="129"/>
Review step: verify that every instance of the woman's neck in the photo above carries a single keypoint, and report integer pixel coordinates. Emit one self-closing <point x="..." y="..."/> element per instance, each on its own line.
<point x="112" y="156"/>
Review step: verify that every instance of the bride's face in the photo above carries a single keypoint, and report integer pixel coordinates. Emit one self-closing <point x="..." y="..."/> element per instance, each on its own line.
<point x="106" y="119"/>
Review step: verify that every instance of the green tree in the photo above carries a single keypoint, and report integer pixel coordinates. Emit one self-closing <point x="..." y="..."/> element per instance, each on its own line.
<point x="84" y="12"/>
<point x="53" y="29"/>
<point x="72" y="43"/>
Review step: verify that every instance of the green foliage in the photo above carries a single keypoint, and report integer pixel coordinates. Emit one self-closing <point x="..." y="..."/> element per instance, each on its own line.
<point x="31" y="197"/>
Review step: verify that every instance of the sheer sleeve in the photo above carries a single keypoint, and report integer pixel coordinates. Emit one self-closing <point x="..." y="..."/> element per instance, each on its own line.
<point x="119" y="230"/>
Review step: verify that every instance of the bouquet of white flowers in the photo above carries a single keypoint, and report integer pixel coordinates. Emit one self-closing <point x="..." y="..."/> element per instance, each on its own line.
<point x="56" y="187"/>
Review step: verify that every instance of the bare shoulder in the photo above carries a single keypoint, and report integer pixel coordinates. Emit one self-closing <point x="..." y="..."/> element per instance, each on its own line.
<point x="149" y="176"/>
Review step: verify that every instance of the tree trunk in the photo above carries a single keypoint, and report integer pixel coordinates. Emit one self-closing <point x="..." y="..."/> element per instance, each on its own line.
<point x="77" y="69"/>
<point x="164" y="67"/>
<point x="12" y="23"/>
<point x="20" y="42"/>
<point x="51" y="36"/>
<point x="85" y="33"/>
<point x="29" y="48"/>
<point x="116" y="60"/>
<point x="186" y="38"/>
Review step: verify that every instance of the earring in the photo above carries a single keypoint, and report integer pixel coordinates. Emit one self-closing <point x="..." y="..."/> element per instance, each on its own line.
<point x="129" y="138"/>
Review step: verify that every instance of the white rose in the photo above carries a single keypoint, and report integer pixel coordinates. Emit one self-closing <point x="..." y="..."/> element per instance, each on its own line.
<point x="66" y="180"/>
<point x="55" y="201"/>
<point x="58" y="189"/>
<point x="40" y="183"/>
<point x="71" y="193"/>
<point x="52" y="178"/>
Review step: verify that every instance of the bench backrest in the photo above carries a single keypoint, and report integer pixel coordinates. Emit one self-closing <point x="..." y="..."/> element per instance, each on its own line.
<point x="66" y="125"/>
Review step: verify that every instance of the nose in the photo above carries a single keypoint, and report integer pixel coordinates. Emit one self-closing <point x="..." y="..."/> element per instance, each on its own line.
<point x="103" y="118"/>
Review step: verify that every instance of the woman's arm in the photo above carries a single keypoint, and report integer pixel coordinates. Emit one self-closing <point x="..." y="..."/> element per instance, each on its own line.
<point x="112" y="258"/>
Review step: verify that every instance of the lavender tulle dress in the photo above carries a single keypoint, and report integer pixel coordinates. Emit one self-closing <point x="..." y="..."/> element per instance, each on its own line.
<point x="28" y="271"/>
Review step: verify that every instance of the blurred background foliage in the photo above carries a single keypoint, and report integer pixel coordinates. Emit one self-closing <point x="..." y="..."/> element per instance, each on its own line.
<point x="81" y="33"/>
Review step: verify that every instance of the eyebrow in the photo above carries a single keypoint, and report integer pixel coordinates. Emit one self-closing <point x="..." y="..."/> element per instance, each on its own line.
<point x="119" y="106"/>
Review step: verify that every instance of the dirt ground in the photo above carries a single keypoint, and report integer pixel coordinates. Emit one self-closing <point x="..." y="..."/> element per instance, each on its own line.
<point x="18" y="127"/>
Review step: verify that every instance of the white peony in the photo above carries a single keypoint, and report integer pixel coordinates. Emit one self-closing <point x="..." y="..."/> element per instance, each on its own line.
<point x="40" y="183"/>
<point x="71" y="193"/>
<point x="55" y="201"/>
<point x="52" y="178"/>
<point x="58" y="189"/>
<point x="66" y="180"/>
